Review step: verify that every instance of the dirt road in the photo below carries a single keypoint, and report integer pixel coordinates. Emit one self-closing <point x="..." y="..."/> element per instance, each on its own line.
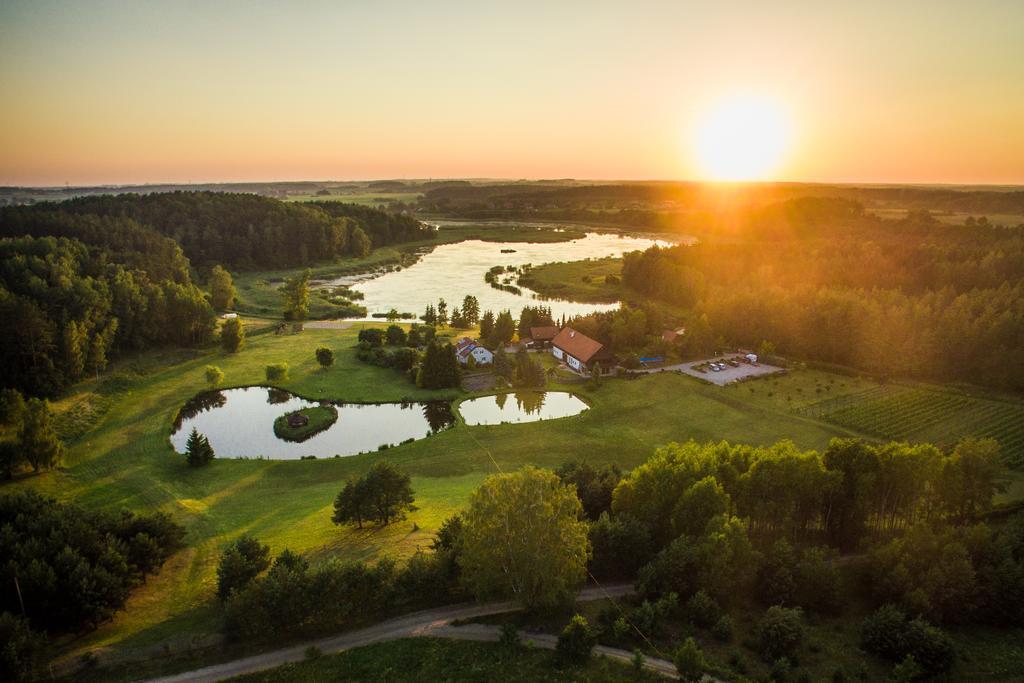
<point x="429" y="623"/>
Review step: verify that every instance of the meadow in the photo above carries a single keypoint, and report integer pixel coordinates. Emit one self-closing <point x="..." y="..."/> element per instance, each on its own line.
<point x="120" y="457"/>
<point x="583" y="281"/>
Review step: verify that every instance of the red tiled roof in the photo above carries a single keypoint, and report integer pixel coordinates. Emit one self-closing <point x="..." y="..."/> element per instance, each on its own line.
<point x="577" y="345"/>
<point x="543" y="333"/>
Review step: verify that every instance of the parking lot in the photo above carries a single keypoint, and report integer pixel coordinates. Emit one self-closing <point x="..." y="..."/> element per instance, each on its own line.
<point x="730" y="373"/>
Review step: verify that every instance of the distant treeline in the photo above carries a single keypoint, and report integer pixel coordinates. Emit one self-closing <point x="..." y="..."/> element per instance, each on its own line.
<point x="672" y="206"/>
<point x="910" y="298"/>
<point x="237" y="231"/>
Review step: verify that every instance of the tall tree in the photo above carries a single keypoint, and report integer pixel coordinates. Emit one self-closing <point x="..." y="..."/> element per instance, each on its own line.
<point x="504" y="329"/>
<point x="487" y="327"/>
<point x="222" y="289"/>
<point x="37" y="437"/>
<point x="232" y="335"/>
<point x="471" y="309"/>
<point x="295" y="291"/>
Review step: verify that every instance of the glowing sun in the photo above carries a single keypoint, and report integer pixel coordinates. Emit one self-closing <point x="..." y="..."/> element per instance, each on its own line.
<point x="742" y="138"/>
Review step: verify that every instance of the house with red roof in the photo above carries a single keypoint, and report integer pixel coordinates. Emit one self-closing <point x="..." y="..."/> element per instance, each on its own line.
<point x="578" y="351"/>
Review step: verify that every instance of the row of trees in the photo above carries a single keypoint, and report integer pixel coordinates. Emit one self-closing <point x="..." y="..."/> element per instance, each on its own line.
<point x="461" y="318"/>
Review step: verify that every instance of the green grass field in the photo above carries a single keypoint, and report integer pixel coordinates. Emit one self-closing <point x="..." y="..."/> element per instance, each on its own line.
<point x="583" y="281"/>
<point x="119" y="457"/>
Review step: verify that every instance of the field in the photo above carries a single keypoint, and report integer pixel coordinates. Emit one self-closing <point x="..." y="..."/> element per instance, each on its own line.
<point x="928" y="414"/>
<point x="120" y="457"/>
<point x="583" y="281"/>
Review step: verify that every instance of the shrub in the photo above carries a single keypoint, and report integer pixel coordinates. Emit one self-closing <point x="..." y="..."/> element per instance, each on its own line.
<point x="277" y="372"/>
<point x="779" y="632"/>
<point x="509" y="638"/>
<point x="214" y="375"/>
<point x="891" y="634"/>
<point x="325" y="357"/>
<point x="576" y="641"/>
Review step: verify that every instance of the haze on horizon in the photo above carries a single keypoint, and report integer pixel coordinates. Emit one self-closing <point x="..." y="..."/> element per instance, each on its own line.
<point x="139" y="92"/>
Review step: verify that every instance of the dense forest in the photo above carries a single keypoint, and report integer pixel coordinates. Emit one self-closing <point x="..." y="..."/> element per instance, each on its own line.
<point x="237" y="231"/>
<point x="823" y="280"/>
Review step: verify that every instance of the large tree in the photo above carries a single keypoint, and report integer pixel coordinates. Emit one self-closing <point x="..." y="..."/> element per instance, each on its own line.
<point x="37" y="438"/>
<point x="383" y="494"/>
<point x="524" y="537"/>
<point x="295" y="291"/>
<point x="232" y="335"/>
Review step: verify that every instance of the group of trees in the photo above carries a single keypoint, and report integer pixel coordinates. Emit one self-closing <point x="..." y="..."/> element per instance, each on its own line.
<point x="383" y="495"/>
<point x="438" y="368"/>
<point x="74" y="307"/>
<point x="66" y="568"/>
<point x="198" y="451"/>
<point x="393" y="347"/>
<point x="497" y="330"/>
<point x="828" y="282"/>
<point x="460" y="318"/>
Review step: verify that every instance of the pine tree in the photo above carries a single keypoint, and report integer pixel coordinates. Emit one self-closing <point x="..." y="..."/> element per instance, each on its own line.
<point x="198" y="450"/>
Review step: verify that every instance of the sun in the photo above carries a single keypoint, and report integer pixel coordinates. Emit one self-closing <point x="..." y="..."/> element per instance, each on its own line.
<point x="742" y="138"/>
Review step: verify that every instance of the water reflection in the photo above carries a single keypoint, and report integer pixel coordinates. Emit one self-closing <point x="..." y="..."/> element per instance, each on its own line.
<point x="529" y="406"/>
<point x="240" y="424"/>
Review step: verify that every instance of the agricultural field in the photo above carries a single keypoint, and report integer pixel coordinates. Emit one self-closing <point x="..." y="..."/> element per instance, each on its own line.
<point x="926" y="414"/>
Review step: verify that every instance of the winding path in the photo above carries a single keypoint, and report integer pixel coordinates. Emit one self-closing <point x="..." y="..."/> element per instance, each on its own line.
<point x="436" y="623"/>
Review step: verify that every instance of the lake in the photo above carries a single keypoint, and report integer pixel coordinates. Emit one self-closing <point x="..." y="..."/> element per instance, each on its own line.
<point x="239" y="423"/>
<point x="520" y="406"/>
<point x="451" y="271"/>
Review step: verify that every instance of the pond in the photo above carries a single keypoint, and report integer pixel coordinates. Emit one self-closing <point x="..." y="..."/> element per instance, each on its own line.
<point x="239" y="423"/>
<point x="521" y="406"/>
<point x="451" y="271"/>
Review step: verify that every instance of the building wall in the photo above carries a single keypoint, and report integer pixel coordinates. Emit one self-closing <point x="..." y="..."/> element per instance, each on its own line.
<point x="557" y="352"/>
<point x="573" y="363"/>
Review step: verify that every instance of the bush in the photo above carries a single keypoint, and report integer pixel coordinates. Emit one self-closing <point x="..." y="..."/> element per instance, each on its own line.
<point x="325" y="357"/>
<point x="779" y="633"/>
<point x="509" y="638"/>
<point x="21" y="649"/>
<point x="891" y="634"/>
<point x="214" y="375"/>
<point x="277" y="372"/>
<point x="576" y="641"/>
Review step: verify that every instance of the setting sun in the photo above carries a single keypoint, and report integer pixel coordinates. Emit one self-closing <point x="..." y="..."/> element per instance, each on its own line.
<point x="742" y="138"/>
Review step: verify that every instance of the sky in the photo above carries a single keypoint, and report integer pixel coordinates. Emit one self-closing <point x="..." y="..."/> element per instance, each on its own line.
<point x="141" y="92"/>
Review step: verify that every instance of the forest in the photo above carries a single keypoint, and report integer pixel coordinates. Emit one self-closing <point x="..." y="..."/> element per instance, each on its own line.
<point x="237" y="231"/>
<point x="824" y="280"/>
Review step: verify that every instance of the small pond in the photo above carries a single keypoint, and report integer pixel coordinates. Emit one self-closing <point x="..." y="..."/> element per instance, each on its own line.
<point x="520" y="406"/>
<point x="239" y="423"/>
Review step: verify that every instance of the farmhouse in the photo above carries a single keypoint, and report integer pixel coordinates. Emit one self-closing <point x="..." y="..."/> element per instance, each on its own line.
<point x="579" y="351"/>
<point x="542" y="336"/>
<point x="467" y="348"/>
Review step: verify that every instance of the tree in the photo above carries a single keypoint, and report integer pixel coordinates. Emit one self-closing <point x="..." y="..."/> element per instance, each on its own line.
<point x="442" y="312"/>
<point x="576" y="641"/>
<point x="22" y="649"/>
<point x="352" y="504"/>
<point x="276" y="372"/>
<point x="690" y="662"/>
<point x="325" y="357"/>
<point x="384" y="493"/>
<point x="594" y="485"/>
<point x="524" y="537"/>
<point x="529" y="373"/>
<point x="502" y="367"/>
<point x="487" y="327"/>
<point x="439" y="369"/>
<point x="360" y="244"/>
<point x="222" y="290"/>
<point x="430" y="315"/>
<point x="295" y="291"/>
<point x="471" y="309"/>
<point x="241" y="562"/>
<point x="395" y="335"/>
<point x="232" y="335"/>
<point x="37" y="438"/>
<point x="698" y="505"/>
<point x="971" y="477"/>
<point x="214" y="375"/>
<point x="198" y="451"/>
<point x="504" y="329"/>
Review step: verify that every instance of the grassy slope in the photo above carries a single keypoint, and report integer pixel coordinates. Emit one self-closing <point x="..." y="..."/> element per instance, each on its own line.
<point x="434" y="659"/>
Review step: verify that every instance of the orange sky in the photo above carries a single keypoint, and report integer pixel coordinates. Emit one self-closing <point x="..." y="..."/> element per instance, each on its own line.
<point x="107" y="92"/>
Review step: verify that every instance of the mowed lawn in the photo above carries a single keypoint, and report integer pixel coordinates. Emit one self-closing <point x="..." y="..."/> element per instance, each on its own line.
<point x="124" y="460"/>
